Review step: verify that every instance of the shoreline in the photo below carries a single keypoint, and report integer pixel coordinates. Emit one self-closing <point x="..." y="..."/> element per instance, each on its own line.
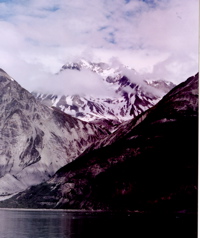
<point x="136" y="212"/>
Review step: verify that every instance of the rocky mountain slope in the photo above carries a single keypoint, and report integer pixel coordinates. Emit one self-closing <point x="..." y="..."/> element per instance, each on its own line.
<point x="35" y="140"/>
<point x="131" y="97"/>
<point x="149" y="164"/>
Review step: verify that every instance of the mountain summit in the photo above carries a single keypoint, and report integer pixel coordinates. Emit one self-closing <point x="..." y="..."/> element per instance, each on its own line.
<point x="131" y="94"/>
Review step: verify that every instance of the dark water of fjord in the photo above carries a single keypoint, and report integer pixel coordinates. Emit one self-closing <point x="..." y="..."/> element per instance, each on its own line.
<point x="19" y="223"/>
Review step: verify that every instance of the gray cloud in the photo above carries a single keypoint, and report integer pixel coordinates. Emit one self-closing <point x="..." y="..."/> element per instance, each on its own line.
<point x="71" y="82"/>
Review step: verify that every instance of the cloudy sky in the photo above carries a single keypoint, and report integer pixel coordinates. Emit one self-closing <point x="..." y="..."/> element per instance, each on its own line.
<point x="158" y="38"/>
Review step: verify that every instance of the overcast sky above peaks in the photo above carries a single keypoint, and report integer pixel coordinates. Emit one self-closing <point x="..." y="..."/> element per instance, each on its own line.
<point x="158" y="38"/>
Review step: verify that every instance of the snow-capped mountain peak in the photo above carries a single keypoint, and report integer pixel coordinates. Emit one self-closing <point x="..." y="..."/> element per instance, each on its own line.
<point x="133" y="94"/>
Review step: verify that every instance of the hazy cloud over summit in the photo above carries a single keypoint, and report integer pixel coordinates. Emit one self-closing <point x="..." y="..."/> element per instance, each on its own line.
<point x="158" y="38"/>
<point x="72" y="82"/>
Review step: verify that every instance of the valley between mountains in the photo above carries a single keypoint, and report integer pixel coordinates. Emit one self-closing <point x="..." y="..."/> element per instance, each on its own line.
<point x="135" y="152"/>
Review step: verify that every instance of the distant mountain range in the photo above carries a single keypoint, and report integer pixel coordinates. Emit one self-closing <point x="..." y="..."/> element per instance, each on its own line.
<point x="149" y="163"/>
<point x="132" y="96"/>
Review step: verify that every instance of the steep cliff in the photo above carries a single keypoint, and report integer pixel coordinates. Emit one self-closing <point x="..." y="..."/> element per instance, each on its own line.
<point x="35" y="140"/>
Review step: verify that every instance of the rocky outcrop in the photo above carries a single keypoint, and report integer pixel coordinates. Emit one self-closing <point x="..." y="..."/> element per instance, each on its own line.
<point x="35" y="140"/>
<point x="149" y="164"/>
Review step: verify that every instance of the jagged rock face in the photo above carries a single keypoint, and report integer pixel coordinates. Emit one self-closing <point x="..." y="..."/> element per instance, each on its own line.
<point x="131" y="98"/>
<point x="149" y="164"/>
<point x="35" y="141"/>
